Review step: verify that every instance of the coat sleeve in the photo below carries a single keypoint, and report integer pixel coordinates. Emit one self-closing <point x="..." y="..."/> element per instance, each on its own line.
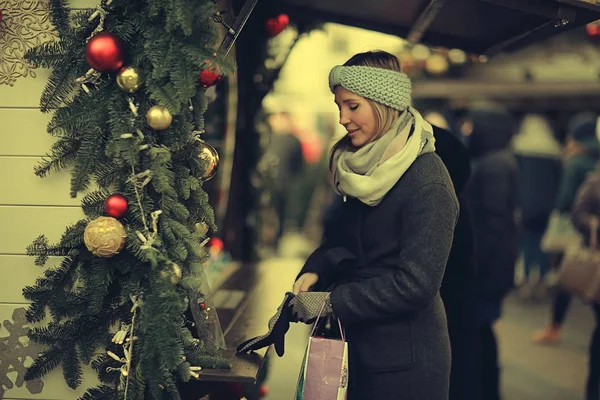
<point x="428" y="222"/>
<point x="330" y="258"/>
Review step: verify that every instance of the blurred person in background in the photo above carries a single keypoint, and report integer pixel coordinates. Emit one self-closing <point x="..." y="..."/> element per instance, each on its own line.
<point x="491" y="196"/>
<point x="538" y="154"/>
<point x="284" y="157"/>
<point x="581" y="152"/>
<point x="586" y="207"/>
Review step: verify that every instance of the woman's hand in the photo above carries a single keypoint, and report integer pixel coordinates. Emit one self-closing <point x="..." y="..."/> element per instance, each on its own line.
<point x="305" y="282"/>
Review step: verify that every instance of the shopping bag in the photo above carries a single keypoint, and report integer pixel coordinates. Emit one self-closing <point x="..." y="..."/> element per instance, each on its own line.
<point x="579" y="272"/>
<point x="560" y="234"/>
<point x="324" y="371"/>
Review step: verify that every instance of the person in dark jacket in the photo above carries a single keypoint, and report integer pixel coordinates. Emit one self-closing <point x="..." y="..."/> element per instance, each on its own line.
<point x="380" y="270"/>
<point x="538" y="155"/>
<point x="459" y="286"/>
<point x="491" y="197"/>
<point x="581" y="155"/>
<point x="586" y="207"/>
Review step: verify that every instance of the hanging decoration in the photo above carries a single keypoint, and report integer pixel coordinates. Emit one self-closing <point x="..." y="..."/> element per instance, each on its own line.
<point x="104" y="237"/>
<point x="202" y="227"/>
<point x="159" y="118"/>
<point x="116" y="205"/>
<point x="105" y="52"/>
<point x="173" y="274"/>
<point x="129" y="79"/>
<point x="210" y="157"/>
<point x="210" y="75"/>
<point x="274" y="26"/>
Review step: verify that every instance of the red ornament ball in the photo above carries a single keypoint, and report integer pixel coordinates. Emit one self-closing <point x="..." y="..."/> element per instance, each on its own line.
<point x="209" y="77"/>
<point x="203" y="306"/>
<point x="274" y="26"/>
<point x="105" y="52"/>
<point x="116" y="205"/>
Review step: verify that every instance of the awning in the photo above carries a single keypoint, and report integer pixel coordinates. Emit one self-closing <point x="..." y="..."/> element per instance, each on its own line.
<point x="477" y="26"/>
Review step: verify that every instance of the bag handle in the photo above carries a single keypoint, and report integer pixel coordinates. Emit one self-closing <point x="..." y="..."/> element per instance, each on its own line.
<point x="319" y="317"/>
<point x="594" y="232"/>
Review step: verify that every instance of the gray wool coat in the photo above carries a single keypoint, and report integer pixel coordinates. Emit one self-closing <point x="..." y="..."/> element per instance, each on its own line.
<point x="385" y="265"/>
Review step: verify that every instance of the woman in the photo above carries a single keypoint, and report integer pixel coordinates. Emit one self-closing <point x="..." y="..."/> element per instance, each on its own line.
<point x="385" y="256"/>
<point x="538" y="173"/>
<point x="581" y="153"/>
<point x="586" y="207"/>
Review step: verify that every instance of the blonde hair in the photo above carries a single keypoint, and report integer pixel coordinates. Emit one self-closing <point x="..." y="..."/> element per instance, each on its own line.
<point x="385" y="116"/>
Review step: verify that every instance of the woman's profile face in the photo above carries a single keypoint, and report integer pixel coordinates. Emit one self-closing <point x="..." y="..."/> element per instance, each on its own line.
<point x="357" y="116"/>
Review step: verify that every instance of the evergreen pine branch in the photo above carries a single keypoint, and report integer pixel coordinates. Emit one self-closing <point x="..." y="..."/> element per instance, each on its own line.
<point x="172" y="207"/>
<point x="46" y="55"/>
<point x="73" y="236"/>
<point x="184" y="78"/>
<point x="183" y="182"/>
<point x="36" y="312"/>
<point x="201" y="198"/>
<point x="93" y="203"/>
<point x="46" y="336"/>
<point x="70" y="304"/>
<point x="59" y="13"/>
<point x="101" y="365"/>
<point x="81" y="115"/>
<point x="87" y="347"/>
<point x="200" y="105"/>
<point x="59" y="87"/>
<point x="102" y="392"/>
<point x="163" y="178"/>
<point x="166" y="95"/>
<point x="180" y="15"/>
<point x="64" y="153"/>
<point x="107" y="173"/>
<point x="179" y="135"/>
<point x="71" y="367"/>
<point x="178" y="252"/>
<point x="39" y="250"/>
<point x="119" y="114"/>
<point x="137" y="383"/>
<point x="158" y="55"/>
<point x="91" y="150"/>
<point x="97" y="276"/>
<point x="46" y="362"/>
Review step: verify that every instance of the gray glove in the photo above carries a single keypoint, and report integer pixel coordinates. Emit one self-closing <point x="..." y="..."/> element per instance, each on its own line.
<point x="307" y="305"/>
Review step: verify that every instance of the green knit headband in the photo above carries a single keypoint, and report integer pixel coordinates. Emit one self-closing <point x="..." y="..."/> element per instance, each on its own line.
<point x="384" y="86"/>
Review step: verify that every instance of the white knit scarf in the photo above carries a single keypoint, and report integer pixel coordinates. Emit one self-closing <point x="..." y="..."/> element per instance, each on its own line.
<point x="369" y="172"/>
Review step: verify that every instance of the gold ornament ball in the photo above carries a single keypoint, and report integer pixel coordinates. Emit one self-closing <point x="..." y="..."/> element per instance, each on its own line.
<point x="174" y="274"/>
<point x="159" y="118"/>
<point x="104" y="236"/>
<point x="129" y="79"/>
<point x="210" y="158"/>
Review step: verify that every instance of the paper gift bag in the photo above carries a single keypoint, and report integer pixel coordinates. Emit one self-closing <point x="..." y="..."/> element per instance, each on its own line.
<point x="324" y="372"/>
